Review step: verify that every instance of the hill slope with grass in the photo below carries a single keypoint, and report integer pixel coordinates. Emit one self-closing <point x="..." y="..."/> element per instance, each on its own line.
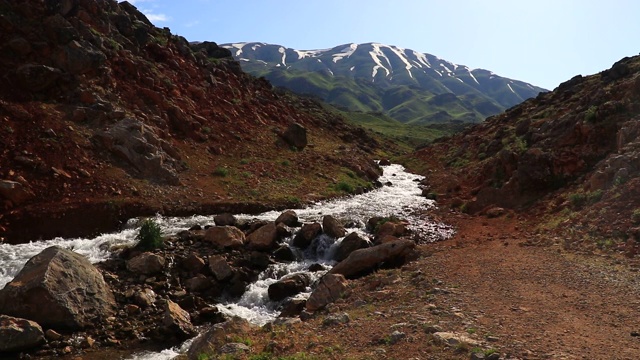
<point x="406" y="85"/>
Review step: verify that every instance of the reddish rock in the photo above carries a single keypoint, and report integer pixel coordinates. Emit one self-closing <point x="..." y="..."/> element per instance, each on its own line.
<point x="177" y="321"/>
<point x="225" y="236"/>
<point x="264" y="238"/>
<point x="364" y="260"/>
<point x="307" y="233"/>
<point x="146" y="263"/>
<point x="329" y="289"/>
<point x="19" y="334"/>
<point x="332" y="227"/>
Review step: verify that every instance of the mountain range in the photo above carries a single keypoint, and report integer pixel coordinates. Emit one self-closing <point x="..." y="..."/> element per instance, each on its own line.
<point x="408" y="86"/>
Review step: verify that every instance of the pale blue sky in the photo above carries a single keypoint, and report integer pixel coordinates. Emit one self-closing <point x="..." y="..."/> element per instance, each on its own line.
<point x="544" y="42"/>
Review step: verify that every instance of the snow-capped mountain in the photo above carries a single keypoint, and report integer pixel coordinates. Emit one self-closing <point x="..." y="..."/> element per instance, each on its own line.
<point x="407" y="85"/>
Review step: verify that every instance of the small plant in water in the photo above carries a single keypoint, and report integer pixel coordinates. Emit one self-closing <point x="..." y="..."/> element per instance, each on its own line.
<point x="149" y="237"/>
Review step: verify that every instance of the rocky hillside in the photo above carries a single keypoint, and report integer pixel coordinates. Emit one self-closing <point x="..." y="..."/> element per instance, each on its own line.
<point x="104" y="116"/>
<point x="408" y="86"/>
<point x="571" y="156"/>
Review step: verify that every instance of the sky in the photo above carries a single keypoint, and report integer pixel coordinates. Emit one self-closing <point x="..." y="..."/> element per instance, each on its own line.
<point x="543" y="42"/>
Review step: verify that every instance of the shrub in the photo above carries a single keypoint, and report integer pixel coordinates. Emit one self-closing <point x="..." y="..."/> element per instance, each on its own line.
<point x="149" y="237"/>
<point x="220" y="171"/>
<point x="590" y="114"/>
<point x="345" y="186"/>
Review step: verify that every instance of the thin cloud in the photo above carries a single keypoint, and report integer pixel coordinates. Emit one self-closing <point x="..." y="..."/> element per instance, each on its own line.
<point x="156" y="17"/>
<point x="192" y="23"/>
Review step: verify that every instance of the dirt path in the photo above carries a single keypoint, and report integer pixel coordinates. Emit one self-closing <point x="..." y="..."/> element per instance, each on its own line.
<point x="537" y="301"/>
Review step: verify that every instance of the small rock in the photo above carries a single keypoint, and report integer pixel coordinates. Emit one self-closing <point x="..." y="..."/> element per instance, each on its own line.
<point x="225" y="220"/>
<point x="193" y="263"/>
<point x="145" y="298"/>
<point x="220" y="268"/>
<point x="234" y="348"/>
<point x="289" y="218"/>
<point x="18" y="334"/>
<point x="336" y="319"/>
<point x="178" y="321"/>
<point x="52" y="335"/>
<point x="396" y="336"/>
<point x="146" y="263"/>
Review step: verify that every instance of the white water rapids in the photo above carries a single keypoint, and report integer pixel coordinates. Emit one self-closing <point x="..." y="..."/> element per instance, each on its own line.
<point x="402" y="198"/>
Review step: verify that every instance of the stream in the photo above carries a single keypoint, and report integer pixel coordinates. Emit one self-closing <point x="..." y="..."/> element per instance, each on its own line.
<point x="401" y="197"/>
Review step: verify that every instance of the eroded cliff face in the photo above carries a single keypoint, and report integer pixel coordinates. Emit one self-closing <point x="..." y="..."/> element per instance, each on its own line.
<point x="104" y="116"/>
<point x="576" y="148"/>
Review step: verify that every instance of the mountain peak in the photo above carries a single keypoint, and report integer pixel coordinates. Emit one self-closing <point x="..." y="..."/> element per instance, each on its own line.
<point x="372" y="73"/>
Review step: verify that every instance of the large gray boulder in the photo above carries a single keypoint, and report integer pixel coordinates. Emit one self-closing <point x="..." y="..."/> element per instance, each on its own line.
<point x="19" y="334"/>
<point x="59" y="289"/>
<point x="364" y="260"/>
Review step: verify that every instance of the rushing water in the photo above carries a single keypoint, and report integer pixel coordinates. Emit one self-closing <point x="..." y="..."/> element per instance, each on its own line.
<point x="401" y="198"/>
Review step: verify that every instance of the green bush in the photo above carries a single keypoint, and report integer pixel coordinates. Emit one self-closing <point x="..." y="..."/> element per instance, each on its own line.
<point x="220" y="171"/>
<point x="345" y="186"/>
<point x="149" y="237"/>
<point x="590" y="114"/>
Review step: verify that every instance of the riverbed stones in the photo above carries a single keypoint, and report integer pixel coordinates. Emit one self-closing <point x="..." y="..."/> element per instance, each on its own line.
<point x="198" y="283"/>
<point x="225" y="236"/>
<point x="332" y="227"/>
<point x="58" y="289"/>
<point x="362" y="261"/>
<point x="18" y="334"/>
<point x="145" y="298"/>
<point x="307" y="233"/>
<point x="264" y="238"/>
<point x="289" y="218"/>
<point x="220" y="268"/>
<point x="193" y="263"/>
<point x="288" y="286"/>
<point x="284" y="253"/>
<point x="349" y="244"/>
<point x="329" y="289"/>
<point x="146" y="263"/>
<point x="177" y="321"/>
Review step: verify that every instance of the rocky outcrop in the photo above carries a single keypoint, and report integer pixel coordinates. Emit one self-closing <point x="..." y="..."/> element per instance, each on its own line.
<point x="59" y="289"/>
<point x="225" y="236"/>
<point x="332" y="227"/>
<point x="264" y="238"/>
<point x="19" y="334"/>
<point x="362" y="261"/>
<point x="138" y="144"/>
<point x="330" y="288"/>
<point x="146" y="263"/>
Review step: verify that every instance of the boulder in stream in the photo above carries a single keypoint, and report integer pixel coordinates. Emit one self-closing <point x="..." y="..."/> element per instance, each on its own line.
<point x="263" y="238"/>
<point x="332" y="227"/>
<point x="362" y="261"/>
<point x="225" y="236"/>
<point x="212" y="341"/>
<point x="305" y="236"/>
<point x="288" y="286"/>
<point x="59" y="289"/>
<point x="349" y="244"/>
<point x="289" y="218"/>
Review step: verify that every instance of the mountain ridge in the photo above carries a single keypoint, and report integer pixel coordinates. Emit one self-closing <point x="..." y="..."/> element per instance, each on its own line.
<point x="407" y="85"/>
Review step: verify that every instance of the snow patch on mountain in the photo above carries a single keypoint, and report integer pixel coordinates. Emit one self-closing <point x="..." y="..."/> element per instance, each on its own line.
<point x="473" y="77"/>
<point x="282" y="51"/>
<point x="510" y="88"/>
<point x="238" y="47"/>
<point x="400" y="53"/>
<point x="346" y="52"/>
<point x="310" y="53"/>
<point x="422" y="59"/>
<point x="375" y="56"/>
